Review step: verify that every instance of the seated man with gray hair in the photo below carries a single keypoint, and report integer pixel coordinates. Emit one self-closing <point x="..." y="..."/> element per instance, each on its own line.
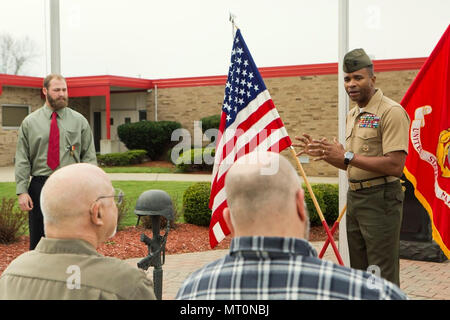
<point x="270" y="257"/>
<point x="79" y="214"/>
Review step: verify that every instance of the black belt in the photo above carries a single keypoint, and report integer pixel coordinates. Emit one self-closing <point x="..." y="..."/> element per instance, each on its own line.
<point x="40" y="179"/>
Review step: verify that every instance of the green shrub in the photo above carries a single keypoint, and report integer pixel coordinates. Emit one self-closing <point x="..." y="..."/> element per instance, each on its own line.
<point x="122" y="210"/>
<point x="121" y="158"/>
<point x="154" y="137"/>
<point x="327" y="196"/>
<point x="331" y="198"/>
<point x="211" y="122"/>
<point x="194" y="160"/>
<point x="195" y="204"/>
<point x="313" y="215"/>
<point x="13" y="221"/>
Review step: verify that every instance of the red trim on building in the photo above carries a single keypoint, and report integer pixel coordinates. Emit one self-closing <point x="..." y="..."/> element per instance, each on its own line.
<point x="398" y="64"/>
<point x="292" y="71"/>
<point x="190" y="82"/>
<point x="20" y="81"/>
<point x="112" y="81"/>
<point x="87" y="91"/>
<point x="80" y="86"/>
<point x="96" y="85"/>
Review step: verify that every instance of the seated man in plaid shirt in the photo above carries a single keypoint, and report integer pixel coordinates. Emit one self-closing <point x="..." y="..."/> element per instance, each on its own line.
<point x="270" y="257"/>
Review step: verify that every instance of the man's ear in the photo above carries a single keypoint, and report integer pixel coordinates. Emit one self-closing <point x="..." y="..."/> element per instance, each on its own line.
<point x="96" y="214"/>
<point x="44" y="91"/>
<point x="227" y="218"/>
<point x="299" y="200"/>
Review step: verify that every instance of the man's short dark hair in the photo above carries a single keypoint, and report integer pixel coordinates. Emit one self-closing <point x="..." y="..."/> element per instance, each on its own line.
<point x="370" y="70"/>
<point x="50" y="77"/>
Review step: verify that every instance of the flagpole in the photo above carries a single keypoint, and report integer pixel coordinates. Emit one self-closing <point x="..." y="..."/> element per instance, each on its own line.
<point x="342" y="116"/>
<point x="234" y="27"/>
<point x="319" y="211"/>
<point x="333" y="230"/>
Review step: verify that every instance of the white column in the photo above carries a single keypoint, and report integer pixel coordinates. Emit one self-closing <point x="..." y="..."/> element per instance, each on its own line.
<point x="343" y="110"/>
<point x="55" y="48"/>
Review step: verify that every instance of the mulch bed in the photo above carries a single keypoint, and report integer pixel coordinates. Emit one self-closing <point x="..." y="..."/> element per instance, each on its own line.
<point x="126" y="243"/>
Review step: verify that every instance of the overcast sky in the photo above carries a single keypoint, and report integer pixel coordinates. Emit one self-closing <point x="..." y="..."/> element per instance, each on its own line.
<point x="179" y="38"/>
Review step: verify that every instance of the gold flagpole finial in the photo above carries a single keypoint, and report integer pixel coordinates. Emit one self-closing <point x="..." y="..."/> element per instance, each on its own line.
<point x="234" y="27"/>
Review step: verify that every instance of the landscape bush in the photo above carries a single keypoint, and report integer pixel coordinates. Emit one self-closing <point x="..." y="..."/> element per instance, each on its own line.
<point x="211" y="122"/>
<point x="327" y="196"/>
<point x="122" y="210"/>
<point x="195" y="204"/>
<point x="194" y="160"/>
<point x="121" y="158"/>
<point x="196" y="201"/>
<point x="13" y="221"/>
<point x="331" y="198"/>
<point x="152" y="136"/>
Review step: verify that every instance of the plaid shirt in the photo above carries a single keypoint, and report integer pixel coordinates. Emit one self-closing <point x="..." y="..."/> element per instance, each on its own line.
<point x="263" y="268"/>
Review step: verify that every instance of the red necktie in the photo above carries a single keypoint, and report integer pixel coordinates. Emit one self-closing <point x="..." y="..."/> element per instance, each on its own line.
<point x="53" y="144"/>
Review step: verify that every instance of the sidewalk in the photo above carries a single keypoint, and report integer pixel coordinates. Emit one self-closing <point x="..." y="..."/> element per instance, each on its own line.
<point x="418" y="279"/>
<point x="7" y="175"/>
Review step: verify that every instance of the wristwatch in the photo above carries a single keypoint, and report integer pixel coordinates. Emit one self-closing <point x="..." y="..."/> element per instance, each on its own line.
<point x="348" y="157"/>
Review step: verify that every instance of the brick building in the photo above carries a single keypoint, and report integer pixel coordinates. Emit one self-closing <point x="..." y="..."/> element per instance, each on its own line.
<point x="306" y="97"/>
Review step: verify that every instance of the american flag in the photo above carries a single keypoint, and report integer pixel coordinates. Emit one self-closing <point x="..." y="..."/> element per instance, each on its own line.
<point x="249" y="122"/>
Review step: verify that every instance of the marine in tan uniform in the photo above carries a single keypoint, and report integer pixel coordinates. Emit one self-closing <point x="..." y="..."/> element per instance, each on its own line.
<point x="80" y="213"/>
<point x="374" y="156"/>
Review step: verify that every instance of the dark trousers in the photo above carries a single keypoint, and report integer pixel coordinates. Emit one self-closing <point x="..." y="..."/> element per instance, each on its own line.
<point x="374" y="217"/>
<point x="35" y="218"/>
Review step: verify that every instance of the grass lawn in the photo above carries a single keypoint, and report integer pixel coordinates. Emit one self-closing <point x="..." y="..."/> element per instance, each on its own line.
<point x="132" y="190"/>
<point x="7" y="190"/>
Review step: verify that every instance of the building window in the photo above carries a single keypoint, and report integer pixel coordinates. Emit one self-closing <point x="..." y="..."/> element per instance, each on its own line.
<point x="142" y="115"/>
<point x="127" y="120"/>
<point x="13" y="115"/>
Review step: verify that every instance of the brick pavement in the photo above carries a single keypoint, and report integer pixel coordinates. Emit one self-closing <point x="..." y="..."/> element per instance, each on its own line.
<point x="418" y="279"/>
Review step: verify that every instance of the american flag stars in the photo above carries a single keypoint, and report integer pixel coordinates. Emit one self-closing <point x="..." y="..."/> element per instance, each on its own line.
<point x="242" y="86"/>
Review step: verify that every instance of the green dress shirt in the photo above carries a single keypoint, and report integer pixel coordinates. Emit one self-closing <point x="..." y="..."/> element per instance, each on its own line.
<point x="71" y="269"/>
<point x="76" y="144"/>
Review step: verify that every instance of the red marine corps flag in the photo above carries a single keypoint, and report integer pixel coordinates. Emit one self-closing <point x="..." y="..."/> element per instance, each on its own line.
<point x="249" y="122"/>
<point x="427" y="167"/>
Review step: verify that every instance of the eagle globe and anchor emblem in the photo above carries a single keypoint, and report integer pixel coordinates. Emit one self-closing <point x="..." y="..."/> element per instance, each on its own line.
<point x="440" y="160"/>
<point x="443" y="153"/>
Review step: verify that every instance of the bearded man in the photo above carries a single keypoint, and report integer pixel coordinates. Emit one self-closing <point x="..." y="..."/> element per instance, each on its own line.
<point x="51" y="137"/>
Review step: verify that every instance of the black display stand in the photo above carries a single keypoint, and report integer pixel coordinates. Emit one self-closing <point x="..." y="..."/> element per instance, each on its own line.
<point x="416" y="242"/>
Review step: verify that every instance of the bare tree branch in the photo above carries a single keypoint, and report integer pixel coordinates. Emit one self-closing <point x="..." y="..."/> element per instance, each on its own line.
<point x="15" y="54"/>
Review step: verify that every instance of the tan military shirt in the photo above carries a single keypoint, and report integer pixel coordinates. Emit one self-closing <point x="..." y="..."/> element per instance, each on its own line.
<point x="375" y="130"/>
<point x="72" y="269"/>
<point x="76" y="144"/>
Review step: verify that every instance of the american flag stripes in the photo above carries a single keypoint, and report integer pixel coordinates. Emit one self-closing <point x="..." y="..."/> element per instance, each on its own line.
<point x="249" y="122"/>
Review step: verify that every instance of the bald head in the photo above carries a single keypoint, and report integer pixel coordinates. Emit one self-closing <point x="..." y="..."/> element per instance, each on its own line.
<point x="69" y="192"/>
<point x="263" y="192"/>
